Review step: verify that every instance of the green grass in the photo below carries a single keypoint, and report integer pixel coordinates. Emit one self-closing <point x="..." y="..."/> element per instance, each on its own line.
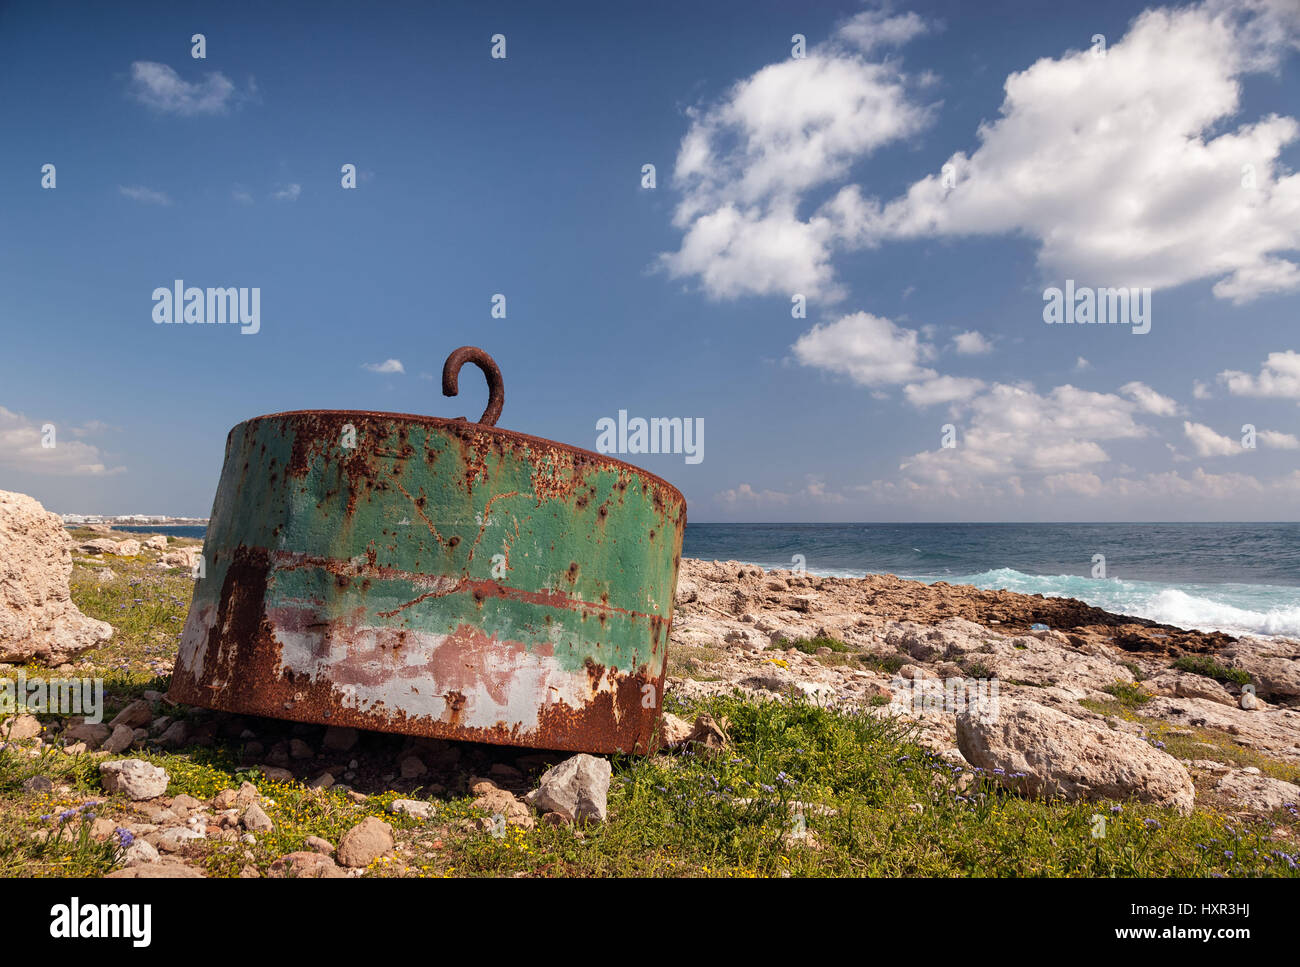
<point x="888" y="664"/>
<point x="1128" y="694"/>
<point x="810" y="646"/>
<point x="876" y="803"/>
<point x="691" y="661"/>
<point x="975" y="669"/>
<point x="1207" y="666"/>
<point x="683" y="817"/>
<point x="145" y="604"/>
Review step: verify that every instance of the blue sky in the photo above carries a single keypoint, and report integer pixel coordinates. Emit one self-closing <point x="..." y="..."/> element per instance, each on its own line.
<point x="1118" y="164"/>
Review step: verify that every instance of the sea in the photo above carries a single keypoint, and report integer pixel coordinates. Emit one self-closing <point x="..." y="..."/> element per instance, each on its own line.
<point x="1238" y="578"/>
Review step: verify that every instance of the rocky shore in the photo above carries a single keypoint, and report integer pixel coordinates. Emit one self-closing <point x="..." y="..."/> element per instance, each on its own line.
<point x="896" y="647"/>
<point x="792" y="701"/>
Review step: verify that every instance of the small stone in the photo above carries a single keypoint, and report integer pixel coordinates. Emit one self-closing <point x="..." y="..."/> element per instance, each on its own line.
<point x="412" y="807"/>
<point x="119" y="741"/>
<point x="318" y="845"/>
<point x="673" y="730"/>
<point x="412" y="767"/>
<point x="276" y="774"/>
<point x="340" y="739"/>
<point x="185" y="803"/>
<point x="306" y="865"/>
<point x="579" y="786"/>
<point x="37" y="784"/>
<point x="364" y="843"/>
<point x="93" y="735"/>
<point x="138" y="853"/>
<point x="158" y="816"/>
<point x="247" y="794"/>
<point x="134" y="778"/>
<point x="20" y="727"/>
<point x="174" y="735"/>
<point x="134" y="716"/>
<point x="323" y="781"/>
<point x="255" y="820"/>
<point x="299" y="749"/>
<point x="174" y="839"/>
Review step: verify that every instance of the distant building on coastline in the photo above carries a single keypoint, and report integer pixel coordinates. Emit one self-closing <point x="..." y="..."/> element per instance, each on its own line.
<point x="132" y="520"/>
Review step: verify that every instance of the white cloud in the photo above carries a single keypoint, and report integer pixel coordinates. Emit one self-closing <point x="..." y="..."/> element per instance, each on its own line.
<point x="161" y="88"/>
<point x="241" y="195"/>
<point x="1077" y="484"/>
<point x="387" y="366"/>
<point x="144" y="195"/>
<point x="287" y="193"/>
<point x="1010" y="431"/>
<point x="1278" y="377"/>
<point x="942" y="389"/>
<point x="879" y="28"/>
<point x="971" y="343"/>
<point x="813" y="491"/>
<point x="1081" y="364"/>
<point x="21" y="448"/>
<point x="1208" y="443"/>
<point x="1148" y="400"/>
<point x="748" y="496"/>
<point x="1125" y="167"/>
<point x="747" y="162"/>
<point x="870" y="350"/>
<point x="1278" y="440"/>
<point x="1200" y="391"/>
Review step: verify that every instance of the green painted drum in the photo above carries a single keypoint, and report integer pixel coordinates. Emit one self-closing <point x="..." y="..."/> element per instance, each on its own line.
<point x="435" y="577"/>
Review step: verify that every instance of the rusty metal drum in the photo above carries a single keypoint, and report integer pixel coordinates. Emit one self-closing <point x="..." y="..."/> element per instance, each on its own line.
<point x="435" y="577"/>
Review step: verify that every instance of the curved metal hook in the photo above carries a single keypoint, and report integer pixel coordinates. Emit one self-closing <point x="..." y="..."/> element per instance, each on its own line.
<point x="496" y="388"/>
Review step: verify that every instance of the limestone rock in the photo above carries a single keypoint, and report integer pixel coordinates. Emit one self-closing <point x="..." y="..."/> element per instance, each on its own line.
<point x="1040" y="751"/>
<point x="578" y="786"/>
<point x="134" y="778"/>
<point x="38" y="621"/>
<point x="1260" y="793"/>
<point x="306" y="865"/>
<point x="364" y="843"/>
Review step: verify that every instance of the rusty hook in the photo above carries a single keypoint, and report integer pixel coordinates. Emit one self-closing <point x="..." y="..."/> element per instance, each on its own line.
<point x="496" y="388"/>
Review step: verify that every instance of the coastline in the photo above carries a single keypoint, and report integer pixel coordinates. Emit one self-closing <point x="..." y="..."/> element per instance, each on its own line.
<point x="877" y="640"/>
<point x="942" y="714"/>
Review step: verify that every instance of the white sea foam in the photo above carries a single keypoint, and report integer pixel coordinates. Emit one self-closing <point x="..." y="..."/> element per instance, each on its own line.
<point x="1238" y="609"/>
